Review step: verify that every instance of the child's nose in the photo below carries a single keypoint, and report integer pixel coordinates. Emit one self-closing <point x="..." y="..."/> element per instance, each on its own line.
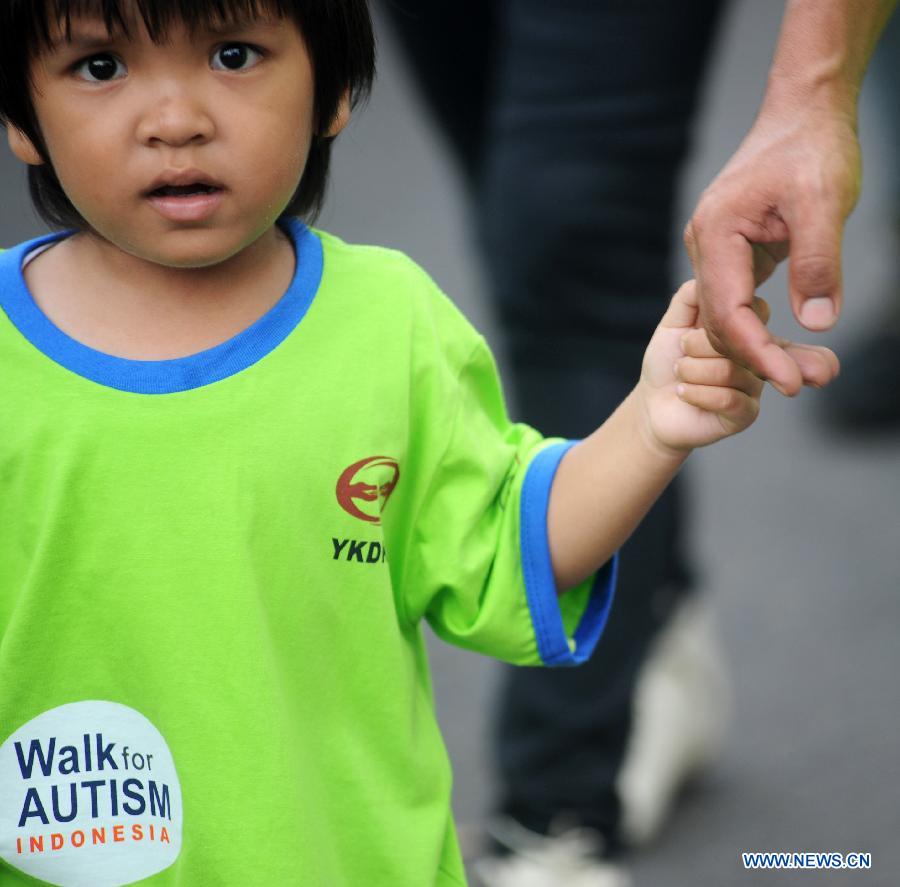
<point x="176" y="120"/>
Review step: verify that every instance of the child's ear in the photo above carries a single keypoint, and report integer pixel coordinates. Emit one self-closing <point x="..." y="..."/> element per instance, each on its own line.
<point x="341" y="117"/>
<point x="23" y="147"/>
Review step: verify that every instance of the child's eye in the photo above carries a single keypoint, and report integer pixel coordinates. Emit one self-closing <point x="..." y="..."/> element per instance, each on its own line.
<point x="100" y="68"/>
<point x="235" y="57"/>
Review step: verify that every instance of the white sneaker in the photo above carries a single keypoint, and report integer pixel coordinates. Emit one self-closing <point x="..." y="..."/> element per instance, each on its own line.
<point x="570" y="858"/>
<point x="682" y="708"/>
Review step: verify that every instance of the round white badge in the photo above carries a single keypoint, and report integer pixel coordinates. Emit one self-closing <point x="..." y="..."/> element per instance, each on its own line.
<point x="89" y="797"/>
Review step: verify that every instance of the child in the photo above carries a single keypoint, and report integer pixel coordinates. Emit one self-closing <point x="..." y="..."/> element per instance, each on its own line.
<point x="241" y="461"/>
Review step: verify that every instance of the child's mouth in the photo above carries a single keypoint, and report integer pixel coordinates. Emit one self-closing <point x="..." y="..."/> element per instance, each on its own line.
<point x="183" y="190"/>
<point x="186" y="203"/>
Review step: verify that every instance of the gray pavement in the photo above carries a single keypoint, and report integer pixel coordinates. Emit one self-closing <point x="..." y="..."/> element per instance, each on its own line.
<point x="796" y="532"/>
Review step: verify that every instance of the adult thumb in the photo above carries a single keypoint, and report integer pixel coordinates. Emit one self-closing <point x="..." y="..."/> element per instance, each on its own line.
<point x="814" y="270"/>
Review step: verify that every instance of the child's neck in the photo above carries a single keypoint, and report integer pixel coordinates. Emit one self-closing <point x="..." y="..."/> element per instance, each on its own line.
<point x="124" y="305"/>
<point x="160" y="287"/>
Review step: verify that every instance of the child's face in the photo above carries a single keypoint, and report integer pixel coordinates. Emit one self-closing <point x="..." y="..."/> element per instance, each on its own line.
<point x="230" y="111"/>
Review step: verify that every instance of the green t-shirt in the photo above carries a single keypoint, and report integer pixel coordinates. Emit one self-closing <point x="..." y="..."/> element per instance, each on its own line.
<point x="214" y="572"/>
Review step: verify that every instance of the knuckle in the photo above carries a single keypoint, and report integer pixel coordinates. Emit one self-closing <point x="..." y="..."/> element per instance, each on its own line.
<point x="817" y="273"/>
<point x="707" y="214"/>
<point x="698" y="225"/>
<point x="811" y="182"/>
<point x="728" y="400"/>
<point x="728" y="373"/>
<point x="716" y="203"/>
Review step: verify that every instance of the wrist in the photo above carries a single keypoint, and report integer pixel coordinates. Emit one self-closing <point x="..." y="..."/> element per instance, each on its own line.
<point x="823" y="51"/>
<point x="822" y="89"/>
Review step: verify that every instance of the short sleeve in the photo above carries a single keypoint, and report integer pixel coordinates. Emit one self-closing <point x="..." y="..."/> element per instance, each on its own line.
<point x="477" y="565"/>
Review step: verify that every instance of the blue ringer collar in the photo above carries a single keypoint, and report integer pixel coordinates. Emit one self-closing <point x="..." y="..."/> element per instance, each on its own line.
<point x="163" y="376"/>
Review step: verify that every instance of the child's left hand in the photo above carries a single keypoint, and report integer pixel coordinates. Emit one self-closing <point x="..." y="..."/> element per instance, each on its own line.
<point x="692" y="395"/>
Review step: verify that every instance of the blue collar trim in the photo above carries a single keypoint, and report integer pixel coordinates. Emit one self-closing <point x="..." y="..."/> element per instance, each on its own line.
<point x="164" y="376"/>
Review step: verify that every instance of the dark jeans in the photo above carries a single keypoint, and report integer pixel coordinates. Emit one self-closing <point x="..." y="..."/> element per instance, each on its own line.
<point x="571" y="120"/>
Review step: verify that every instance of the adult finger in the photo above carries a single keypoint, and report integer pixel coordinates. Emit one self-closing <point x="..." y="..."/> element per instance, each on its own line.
<point x="814" y="267"/>
<point x="724" y="266"/>
<point x="818" y="364"/>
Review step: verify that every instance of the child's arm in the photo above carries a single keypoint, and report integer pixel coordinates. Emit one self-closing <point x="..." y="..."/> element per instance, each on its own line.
<point x="688" y="396"/>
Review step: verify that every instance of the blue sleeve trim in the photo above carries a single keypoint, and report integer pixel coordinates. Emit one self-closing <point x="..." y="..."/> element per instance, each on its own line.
<point x="540" y="586"/>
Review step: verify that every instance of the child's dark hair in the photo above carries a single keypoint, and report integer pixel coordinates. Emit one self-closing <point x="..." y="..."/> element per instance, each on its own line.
<point x="338" y="36"/>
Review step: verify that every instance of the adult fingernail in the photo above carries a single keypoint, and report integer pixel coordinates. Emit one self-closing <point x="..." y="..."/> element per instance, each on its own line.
<point x="817" y="313"/>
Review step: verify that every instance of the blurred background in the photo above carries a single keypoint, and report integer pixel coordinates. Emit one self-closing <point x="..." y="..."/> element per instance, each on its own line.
<point x="796" y="530"/>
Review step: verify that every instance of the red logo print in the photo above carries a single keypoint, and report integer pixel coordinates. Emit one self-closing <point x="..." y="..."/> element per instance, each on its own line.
<point x="364" y="488"/>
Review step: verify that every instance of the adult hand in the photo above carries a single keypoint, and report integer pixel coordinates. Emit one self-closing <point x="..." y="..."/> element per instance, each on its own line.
<point x="786" y="192"/>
